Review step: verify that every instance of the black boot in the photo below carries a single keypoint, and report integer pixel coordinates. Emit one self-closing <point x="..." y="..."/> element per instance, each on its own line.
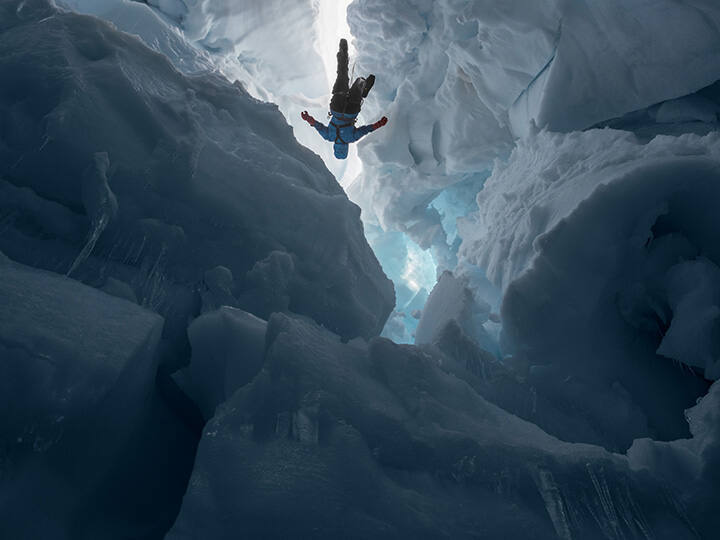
<point x="368" y="85"/>
<point x="342" y="56"/>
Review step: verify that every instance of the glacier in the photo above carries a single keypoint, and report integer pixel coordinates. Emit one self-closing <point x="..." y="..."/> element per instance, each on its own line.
<point x="499" y="318"/>
<point x="465" y="79"/>
<point x="173" y="153"/>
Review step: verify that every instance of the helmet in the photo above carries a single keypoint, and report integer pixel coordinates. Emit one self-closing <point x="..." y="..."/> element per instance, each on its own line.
<point x="341" y="150"/>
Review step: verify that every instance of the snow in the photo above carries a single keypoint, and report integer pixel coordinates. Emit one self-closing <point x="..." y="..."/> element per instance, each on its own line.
<point x="242" y="40"/>
<point x="296" y="74"/>
<point x="588" y="235"/>
<point x="145" y="174"/>
<point x="460" y="81"/>
<point x="159" y="177"/>
<point x="452" y="300"/>
<point x="635" y="55"/>
<point x="543" y="197"/>
<point x="76" y="339"/>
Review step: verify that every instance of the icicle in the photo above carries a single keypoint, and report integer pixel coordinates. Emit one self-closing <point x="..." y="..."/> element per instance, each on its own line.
<point x="554" y="503"/>
<point x="100" y="204"/>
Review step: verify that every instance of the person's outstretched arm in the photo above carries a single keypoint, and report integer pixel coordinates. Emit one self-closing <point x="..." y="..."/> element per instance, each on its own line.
<point x="322" y="129"/>
<point x="364" y="130"/>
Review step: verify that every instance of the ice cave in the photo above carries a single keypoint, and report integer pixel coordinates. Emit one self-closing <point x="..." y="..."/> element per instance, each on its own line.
<point x="497" y="318"/>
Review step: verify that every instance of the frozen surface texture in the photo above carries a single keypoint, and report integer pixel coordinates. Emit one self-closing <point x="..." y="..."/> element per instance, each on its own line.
<point x="117" y="165"/>
<point x="558" y="163"/>
<point x="459" y="79"/>
<point x="282" y="52"/>
<point x="378" y="441"/>
<point x="228" y="347"/>
<point x="76" y="369"/>
<point x="453" y="299"/>
<point x="139" y="19"/>
<point x="603" y="247"/>
<point x="689" y="465"/>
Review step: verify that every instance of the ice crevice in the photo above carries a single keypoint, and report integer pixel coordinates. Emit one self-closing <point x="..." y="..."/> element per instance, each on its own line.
<point x="222" y="336"/>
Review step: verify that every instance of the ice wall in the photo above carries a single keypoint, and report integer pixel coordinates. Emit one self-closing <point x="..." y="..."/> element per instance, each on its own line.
<point x="464" y="84"/>
<point x="576" y="322"/>
<point x="138" y="190"/>
<point x="614" y="57"/>
<point x="296" y="73"/>
<point x="195" y="174"/>
<point x="603" y="249"/>
<point x="460" y="80"/>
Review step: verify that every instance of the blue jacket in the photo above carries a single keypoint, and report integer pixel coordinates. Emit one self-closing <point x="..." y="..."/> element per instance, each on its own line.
<point x="342" y="131"/>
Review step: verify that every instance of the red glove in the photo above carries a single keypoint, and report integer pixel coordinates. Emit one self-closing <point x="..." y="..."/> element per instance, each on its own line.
<point x="309" y="119"/>
<point x="380" y="123"/>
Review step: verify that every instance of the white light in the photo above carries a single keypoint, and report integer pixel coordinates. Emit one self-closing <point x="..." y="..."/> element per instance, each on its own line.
<point x="420" y="269"/>
<point x="330" y="27"/>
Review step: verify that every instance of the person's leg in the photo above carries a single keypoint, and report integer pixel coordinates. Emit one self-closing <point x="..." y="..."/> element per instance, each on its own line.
<point x="342" y="81"/>
<point x="355" y="96"/>
<point x="368" y="85"/>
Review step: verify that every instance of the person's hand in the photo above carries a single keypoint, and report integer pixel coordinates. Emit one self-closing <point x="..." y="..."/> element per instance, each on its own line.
<point x="309" y="119"/>
<point x="380" y="123"/>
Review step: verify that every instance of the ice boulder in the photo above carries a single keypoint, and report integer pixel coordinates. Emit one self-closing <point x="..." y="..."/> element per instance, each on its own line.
<point x="689" y="465"/>
<point x="693" y="290"/>
<point x="604" y="250"/>
<point x="122" y="167"/>
<point x="452" y="299"/>
<point x="636" y="54"/>
<point x="228" y="349"/>
<point x="77" y="369"/>
<point x="377" y="441"/>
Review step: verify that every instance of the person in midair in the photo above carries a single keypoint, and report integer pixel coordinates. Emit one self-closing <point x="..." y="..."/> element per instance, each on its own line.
<point x="344" y="108"/>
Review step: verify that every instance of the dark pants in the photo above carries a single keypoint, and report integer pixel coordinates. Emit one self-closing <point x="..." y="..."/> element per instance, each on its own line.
<point x="346" y="100"/>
